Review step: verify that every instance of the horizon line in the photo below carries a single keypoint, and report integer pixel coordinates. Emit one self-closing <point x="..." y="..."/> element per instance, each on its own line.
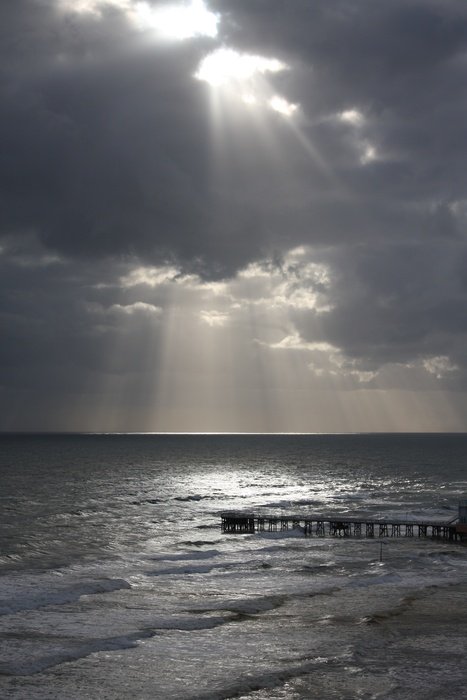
<point x="226" y="432"/>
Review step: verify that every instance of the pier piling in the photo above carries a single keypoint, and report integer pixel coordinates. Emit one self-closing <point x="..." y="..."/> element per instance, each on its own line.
<point x="321" y="525"/>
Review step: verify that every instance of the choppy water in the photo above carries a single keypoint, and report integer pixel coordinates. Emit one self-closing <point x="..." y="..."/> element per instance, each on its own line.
<point x="117" y="581"/>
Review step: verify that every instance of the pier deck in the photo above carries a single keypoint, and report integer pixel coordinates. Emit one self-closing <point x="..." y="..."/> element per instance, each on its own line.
<point x="339" y="526"/>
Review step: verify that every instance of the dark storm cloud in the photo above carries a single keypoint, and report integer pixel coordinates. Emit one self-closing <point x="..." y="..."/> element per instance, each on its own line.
<point x="397" y="241"/>
<point x="54" y="317"/>
<point x="72" y="340"/>
<point x="98" y="156"/>
<point x="108" y="157"/>
<point x="107" y="145"/>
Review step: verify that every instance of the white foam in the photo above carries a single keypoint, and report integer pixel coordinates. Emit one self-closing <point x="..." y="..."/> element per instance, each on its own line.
<point x="30" y="657"/>
<point x="265" y="681"/>
<point x="367" y="581"/>
<point x="187" y="556"/>
<point x="29" y="594"/>
<point x="247" y="606"/>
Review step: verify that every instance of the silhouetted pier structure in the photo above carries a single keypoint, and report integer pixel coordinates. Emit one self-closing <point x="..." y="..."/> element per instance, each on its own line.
<point x="341" y="526"/>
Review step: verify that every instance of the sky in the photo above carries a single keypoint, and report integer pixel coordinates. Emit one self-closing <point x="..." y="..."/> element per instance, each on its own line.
<point x="243" y="215"/>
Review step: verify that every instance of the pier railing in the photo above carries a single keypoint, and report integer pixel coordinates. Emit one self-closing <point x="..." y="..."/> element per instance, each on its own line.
<point x="339" y="526"/>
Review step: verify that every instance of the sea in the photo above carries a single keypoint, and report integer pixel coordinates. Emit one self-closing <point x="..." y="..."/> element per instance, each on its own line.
<point x="117" y="581"/>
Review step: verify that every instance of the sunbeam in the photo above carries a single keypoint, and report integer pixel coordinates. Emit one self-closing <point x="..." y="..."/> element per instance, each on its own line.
<point x="220" y="216"/>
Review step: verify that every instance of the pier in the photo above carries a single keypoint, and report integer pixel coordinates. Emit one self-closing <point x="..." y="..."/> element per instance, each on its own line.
<point x="341" y="526"/>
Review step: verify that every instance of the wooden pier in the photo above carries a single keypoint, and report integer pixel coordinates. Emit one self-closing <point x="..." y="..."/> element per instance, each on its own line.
<point x="340" y="526"/>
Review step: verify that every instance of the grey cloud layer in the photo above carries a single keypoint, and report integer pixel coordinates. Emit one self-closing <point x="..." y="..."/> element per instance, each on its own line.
<point x="107" y="144"/>
<point x="109" y="156"/>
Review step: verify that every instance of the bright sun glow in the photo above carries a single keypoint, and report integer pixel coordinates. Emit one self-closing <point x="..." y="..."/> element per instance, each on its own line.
<point x="279" y="104"/>
<point x="243" y="76"/>
<point x="178" y="21"/>
<point x="352" y="116"/>
<point x="228" y="66"/>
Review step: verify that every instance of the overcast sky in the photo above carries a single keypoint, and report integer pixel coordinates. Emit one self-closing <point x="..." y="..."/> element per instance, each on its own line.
<point x="237" y="215"/>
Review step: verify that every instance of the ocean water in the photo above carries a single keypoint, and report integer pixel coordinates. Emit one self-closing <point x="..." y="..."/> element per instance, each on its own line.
<point x="117" y="582"/>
